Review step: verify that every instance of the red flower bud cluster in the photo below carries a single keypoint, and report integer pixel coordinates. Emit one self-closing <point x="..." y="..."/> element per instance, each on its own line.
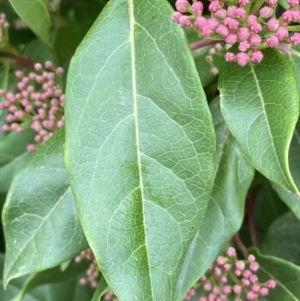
<point x="252" y="28"/>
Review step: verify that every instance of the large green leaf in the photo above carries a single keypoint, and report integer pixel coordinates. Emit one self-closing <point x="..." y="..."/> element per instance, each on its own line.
<point x="260" y="105"/>
<point x="294" y="57"/>
<point x="292" y="199"/>
<point x="36" y="15"/>
<point x="282" y="239"/>
<point x="139" y="147"/>
<point x="41" y="225"/>
<point x="13" y="155"/>
<point x="286" y="274"/>
<point x="225" y="212"/>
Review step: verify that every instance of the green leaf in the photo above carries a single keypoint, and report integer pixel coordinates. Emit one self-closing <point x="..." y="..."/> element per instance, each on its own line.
<point x="36" y="15"/>
<point x="225" y="212"/>
<point x="286" y="274"/>
<point x="291" y="199"/>
<point x="282" y="239"/>
<point x="294" y="57"/>
<point x="267" y="208"/>
<point x="40" y="221"/>
<point x="101" y="290"/>
<point x="139" y="147"/>
<point x="260" y="105"/>
<point x="13" y="156"/>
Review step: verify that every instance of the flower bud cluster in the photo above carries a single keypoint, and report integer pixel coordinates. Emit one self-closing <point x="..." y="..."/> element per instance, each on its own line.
<point x="210" y="57"/>
<point x="92" y="273"/>
<point x="233" y="24"/>
<point x="232" y="279"/>
<point x="38" y="100"/>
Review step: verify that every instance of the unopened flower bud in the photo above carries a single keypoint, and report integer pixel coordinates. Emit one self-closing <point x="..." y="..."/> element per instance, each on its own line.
<point x="273" y="24"/>
<point x="272" y="41"/>
<point x="182" y="5"/>
<point x="257" y="57"/>
<point x="184" y="21"/>
<point x="266" y="12"/>
<point x="295" y="39"/>
<point x="282" y="33"/>
<point x="214" y="6"/>
<point x="222" y="30"/>
<point x="197" y="7"/>
<point x="242" y="59"/>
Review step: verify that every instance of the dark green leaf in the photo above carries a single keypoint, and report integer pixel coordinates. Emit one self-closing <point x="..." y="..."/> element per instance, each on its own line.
<point x="225" y="212"/>
<point x="40" y="221"/>
<point x="35" y="14"/>
<point x="139" y="147"/>
<point x="286" y="274"/>
<point x="260" y="105"/>
<point x="282" y="239"/>
<point x="13" y="156"/>
<point x="292" y="199"/>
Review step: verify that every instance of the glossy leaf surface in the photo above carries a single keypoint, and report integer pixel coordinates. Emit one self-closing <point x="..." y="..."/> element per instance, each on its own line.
<point x="260" y="105"/>
<point x="225" y="212"/>
<point x="14" y="154"/>
<point x="35" y="14"/>
<point x="282" y="239"/>
<point x="139" y="147"/>
<point x="40" y="221"/>
<point x="286" y="274"/>
<point x="292" y="199"/>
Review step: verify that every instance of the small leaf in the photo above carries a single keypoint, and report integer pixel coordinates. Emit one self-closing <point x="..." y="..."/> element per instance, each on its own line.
<point x="40" y="221"/>
<point x="35" y="14"/>
<point x="225" y="212"/>
<point x="286" y="274"/>
<point x="260" y="105"/>
<point x="139" y="147"/>
<point x="282" y="239"/>
<point x="291" y="199"/>
<point x="13" y="156"/>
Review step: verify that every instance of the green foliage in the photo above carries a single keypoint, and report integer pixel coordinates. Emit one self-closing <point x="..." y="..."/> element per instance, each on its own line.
<point x="161" y="166"/>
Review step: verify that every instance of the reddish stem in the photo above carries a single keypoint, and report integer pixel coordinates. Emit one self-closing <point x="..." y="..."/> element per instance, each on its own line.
<point x="202" y="43"/>
<point x="239" y="245"/>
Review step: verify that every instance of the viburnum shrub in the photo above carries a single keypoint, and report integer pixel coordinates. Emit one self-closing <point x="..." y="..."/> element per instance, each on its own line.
<point x="149" y="153"/>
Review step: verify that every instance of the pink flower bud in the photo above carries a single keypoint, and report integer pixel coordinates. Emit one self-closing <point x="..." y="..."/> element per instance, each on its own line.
<point x="266" y="12"/>
<point x="253" y="278"/>
<point x="251" y="20"/>
<point x="227" y="289"/>
<point x="214" y="6"/>
<point x="213" y="23"/>
<point x="237" y="289"/>
<point x="273" y="24"/>
<point x="254" y="266"/>
<point x="282" y="33"/>
<point x="19" y="74"/>
<point x="293" y="2"/>
<point x="31" y="147"/>
<point x="251" y="258"/>
<point x="197" y="7"/>
<point x="245" y="282"/>
<point x="244" y="46"/>
<point x="271" y="283"/>
<point x="207" y="286"/>
<point x="242" y="59"/>
<point x="272" y="2"/>
<point x="240" y="265"/>
<point x="230" y="57"/>
<point x="231" y="11"/>
<point x="176" y="16"/>
<point x="240" y="13"/>
<point x="255" y="40"/>
<point x="296" y="15"/>
<point x="257" y="57"/>
<point x="255" y="287"/>
<point x="287" y="16"/>
<point x="233" y="24"/>
<point x="231" y="252"/>
<point x="243" y="33"/>
<point x="5" y="128"/>
<point x="221" y="13"/>
<point x="182" y="5"/>
<point x="200" y="22"/>
<point x="256" y="28"/>
<point x="251" y="296"/>
<point x="222" y="30"/>
<point x="247" y="274"/>
<point x="295" y="38"/>
<point x="185" y="21"/>
<point x="19" y="114"/>
<point x="206" y="31"/>
<point x="48" y="64"/>
<point x="264" y="291"/>
<point x="37" y="66"/>
<point x="243" y="2"/>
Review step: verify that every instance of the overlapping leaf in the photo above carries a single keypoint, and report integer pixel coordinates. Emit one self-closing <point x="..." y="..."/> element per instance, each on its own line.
<point x="260" y="105"/>
<point x="139" y="147"/>
<point x="40" y="221"/>
<point x="225" y="212"/>
<point x="35" y="14"/>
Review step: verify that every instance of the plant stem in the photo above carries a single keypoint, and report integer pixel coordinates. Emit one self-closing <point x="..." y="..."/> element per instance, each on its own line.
<point x="240" y="246"/>
<point x="202" y="43"/>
